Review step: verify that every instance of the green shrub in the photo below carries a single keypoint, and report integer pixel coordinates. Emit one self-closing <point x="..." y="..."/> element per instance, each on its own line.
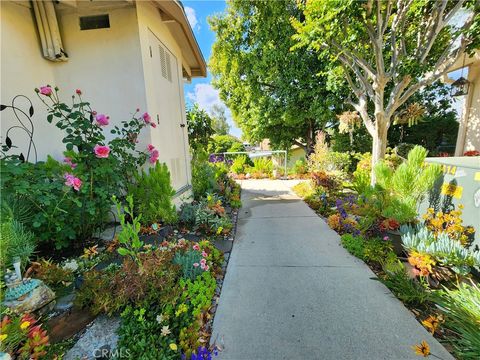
<point x="129" y="235"/>
<point x="300" y="167"/>
<point x="462" y="317"/>
<point x="152" y="194"/>
<point x="262" y="167"/>
<point x="186" y="260"/>
<point x="239" y="164"/>
<point x="304" y="189"/>
<point x="16" y="241"/>
<point x="187" y="214"/>
<point x="409" y="291"/>
<point x="405" y="186"/>
<point x="203" y="176"/>
<point x="355" y="245"/>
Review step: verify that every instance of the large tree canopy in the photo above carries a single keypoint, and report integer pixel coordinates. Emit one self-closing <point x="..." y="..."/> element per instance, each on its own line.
<point x="388" y="50"/>
<point x="273" y="92"/>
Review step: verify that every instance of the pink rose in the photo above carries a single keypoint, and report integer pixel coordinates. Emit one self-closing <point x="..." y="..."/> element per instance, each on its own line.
<point x="203" y="262"/>
<point x="385" y="238"/>
<point x="71" y="180"/>
<point x="146" y="117"/>
<point x="69" y="162"/>
<point x="152" y="124"/>
<point x="206" y="268"/>
<point x="150" y="147"/>
<point x="101" y="151"/>
<point x="102" y="119"/>
<point x="78" y="92"/>
<point x="196" y="247"/>
<point x="195" y="264"/>
<point x="46" y="90"/>
<point x="154" y="156"/>
<point x="204" y="254"/>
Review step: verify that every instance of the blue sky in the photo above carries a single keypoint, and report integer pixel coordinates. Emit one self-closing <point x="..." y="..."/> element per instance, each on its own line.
<point x="200" y="90"/>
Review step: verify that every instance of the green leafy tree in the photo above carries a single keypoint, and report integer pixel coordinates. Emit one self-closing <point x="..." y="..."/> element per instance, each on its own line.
<point x="224" y="143"/>
<point x="199" y="127"/>
<point x="219" y="120"/>
<point x="273" y="92"/>
<point x="387" y="50"/>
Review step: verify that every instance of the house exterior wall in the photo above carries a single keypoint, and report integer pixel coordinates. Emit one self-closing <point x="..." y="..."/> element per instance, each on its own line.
<point x="108" y="65"/>
<point x="471" y="125"/>
<point x="22" y="69"/>
<point x="104" y="63"/>
<point x="172" y="139"/>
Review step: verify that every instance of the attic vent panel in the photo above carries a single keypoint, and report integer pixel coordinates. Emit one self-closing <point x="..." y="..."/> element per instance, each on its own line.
<point x="165" y="63"/>
<point x="94" y="22"/>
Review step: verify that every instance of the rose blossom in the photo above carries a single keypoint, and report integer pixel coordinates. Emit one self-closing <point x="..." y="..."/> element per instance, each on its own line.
<point x="195" y="264"/>
<point x="146" y="117"/>
<point x="196" y="247"/>
<point x="102" y="119"/>
<point x="46" y="90"/>
<point x="150" y="147"/>
<point x="203" y="262"/>
<point x="206" y="268"/>
<point x="204" y="254"/>
<point x="101" y="151"/>
<point x="154" y="156"/>
<point x="71" y="180"/>
<point x="78" y="92"/>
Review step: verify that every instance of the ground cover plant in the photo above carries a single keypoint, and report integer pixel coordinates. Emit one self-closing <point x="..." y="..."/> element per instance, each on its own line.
<point x="436" y="251"/>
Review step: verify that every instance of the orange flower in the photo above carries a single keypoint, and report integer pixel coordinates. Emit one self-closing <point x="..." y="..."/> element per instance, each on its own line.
<point x="422" y="349"/>
<point x="431" y="323"/>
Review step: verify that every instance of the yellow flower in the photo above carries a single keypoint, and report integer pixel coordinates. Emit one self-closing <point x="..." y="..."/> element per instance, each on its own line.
<point x="431" y="323"/>
<point x="173" y="346"/>
<point x="24" y="325"/>
<point x="3" y="337"/>
<point x="422" y="349"/>
<point x="460" y="206"/>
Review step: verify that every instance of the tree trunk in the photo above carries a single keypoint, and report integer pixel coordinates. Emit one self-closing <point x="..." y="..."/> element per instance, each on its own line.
<point x="379" y="147"/>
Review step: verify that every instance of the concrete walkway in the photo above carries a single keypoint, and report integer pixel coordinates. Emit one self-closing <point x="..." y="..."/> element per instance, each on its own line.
<point x="292" y="292"/>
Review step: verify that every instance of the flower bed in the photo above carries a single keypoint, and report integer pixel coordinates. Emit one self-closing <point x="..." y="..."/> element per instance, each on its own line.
<point x="430" y="267"/>
<point x="161" y="273"/>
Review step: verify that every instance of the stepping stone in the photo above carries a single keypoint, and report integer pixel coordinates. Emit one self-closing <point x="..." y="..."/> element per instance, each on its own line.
<point x="100" y="337"/>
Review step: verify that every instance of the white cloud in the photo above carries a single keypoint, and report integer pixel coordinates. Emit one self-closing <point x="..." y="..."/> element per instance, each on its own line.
<point x="206" y="96"/>
<point x="192" y="17"/>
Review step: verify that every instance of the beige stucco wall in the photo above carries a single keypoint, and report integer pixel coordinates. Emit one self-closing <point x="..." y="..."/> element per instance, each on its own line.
<point x="172" y="139"/>
<point x="108" y="65"/>
<point x="22" y="69"/>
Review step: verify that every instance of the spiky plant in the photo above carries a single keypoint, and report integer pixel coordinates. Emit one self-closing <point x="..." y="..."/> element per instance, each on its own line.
<point x="462" y="317"/>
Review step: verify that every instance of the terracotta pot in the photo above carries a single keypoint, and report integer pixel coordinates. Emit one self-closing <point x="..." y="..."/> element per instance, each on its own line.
<point x="396" y="239"/>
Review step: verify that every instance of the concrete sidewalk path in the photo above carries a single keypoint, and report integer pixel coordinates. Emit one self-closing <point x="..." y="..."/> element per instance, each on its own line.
<point x="292" y="292"/>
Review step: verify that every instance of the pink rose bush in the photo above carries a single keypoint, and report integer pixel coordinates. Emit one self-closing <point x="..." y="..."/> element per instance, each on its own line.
<point x="154" y="154"/>
<point x="90" y="159"/>
<point x="101" y="151"/>
<point x="72" y="181"/>
<point x="102" y="119"/>
<point x="46" y="90"/>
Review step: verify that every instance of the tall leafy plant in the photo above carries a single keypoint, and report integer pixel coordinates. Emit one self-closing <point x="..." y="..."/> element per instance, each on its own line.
<point x="152" y="194"/>
<point x="405" y="187"/>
